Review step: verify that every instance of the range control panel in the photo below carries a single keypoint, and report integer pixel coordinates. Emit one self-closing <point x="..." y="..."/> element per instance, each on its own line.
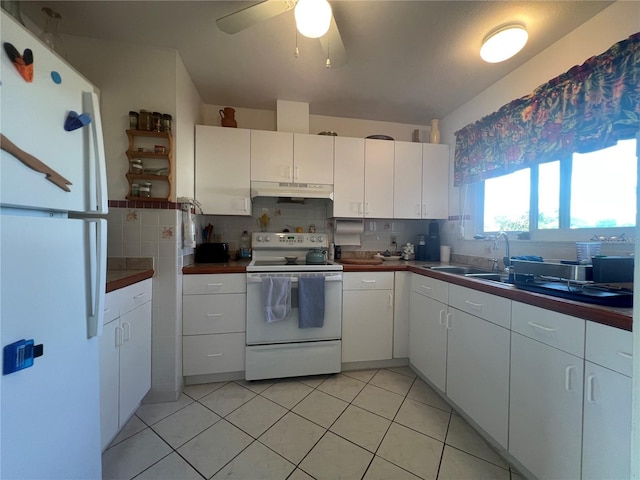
<point x="288" y="240"/>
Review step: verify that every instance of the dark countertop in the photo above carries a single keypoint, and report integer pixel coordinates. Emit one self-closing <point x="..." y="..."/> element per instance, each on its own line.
<point x="117" y="279"/>
<point x="615" y="317"/>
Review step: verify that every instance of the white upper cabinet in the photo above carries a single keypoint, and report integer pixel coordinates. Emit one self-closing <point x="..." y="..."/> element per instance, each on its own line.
<point x="378" y="178"/>
<point x="312" y="159"/>
<point x="289" y="157"/>
<point x="348" y="178"/>
<point x="435" y="181"/>
<point x="407" y="180"/>
<point x="271" y="156"/>
<point x="223" y="158"/>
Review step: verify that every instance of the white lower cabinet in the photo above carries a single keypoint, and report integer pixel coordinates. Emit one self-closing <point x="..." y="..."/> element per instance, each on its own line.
<point x="606" y="436"/>
<point x="547" y="368"/>
<point x="125" y="356"/>
<point x="367" y="316"/>
<point x="213" y="323"/>
<point x="478" y="371"/>
<point x="401" y="291"/>
<point x="428" y="329"/>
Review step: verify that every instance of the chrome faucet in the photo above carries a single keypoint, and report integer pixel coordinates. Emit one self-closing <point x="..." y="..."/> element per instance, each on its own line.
<point x="507" y="258"/>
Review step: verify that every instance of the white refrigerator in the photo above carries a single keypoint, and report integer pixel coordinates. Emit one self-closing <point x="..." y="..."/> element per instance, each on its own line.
<point x="52" y="264"/>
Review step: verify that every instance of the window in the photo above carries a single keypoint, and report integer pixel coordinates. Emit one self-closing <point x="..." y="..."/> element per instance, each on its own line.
<point x="592" y="190"/>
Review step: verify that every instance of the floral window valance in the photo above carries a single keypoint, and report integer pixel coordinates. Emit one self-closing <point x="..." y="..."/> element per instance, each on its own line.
<point x="588" y="108"/>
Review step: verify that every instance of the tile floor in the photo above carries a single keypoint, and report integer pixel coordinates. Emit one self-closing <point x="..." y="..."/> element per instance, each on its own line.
<point x="373" y="424"/>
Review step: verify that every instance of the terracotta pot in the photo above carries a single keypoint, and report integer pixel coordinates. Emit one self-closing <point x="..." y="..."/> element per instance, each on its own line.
<point x="228" y="117"/>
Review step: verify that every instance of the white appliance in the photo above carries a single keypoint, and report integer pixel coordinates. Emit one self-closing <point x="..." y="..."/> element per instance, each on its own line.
<point x="283" y="349"/>
<point x="52" y="268"/>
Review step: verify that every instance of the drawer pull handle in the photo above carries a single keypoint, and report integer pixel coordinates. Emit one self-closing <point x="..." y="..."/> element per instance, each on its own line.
<point x="140" y="295"/>
<point x="214" y="314"/>
<point x="625" y="355"/>
<point x="477" y="306"/>
<point x="390" y="300"/>
<point x="567" y="378"/>
<point x="449" y="321"/>
<point x="126" y="327"/>
<point x="590" y="388"/>
<point x="368" y="281"/>
<point x="546" y="329"/>
<point x="118" y="336"/>
<point x="424" y="287"/>
<point x="214" y="284"/>
<point x="214" y="354"/>
<point x="441" y="319"/>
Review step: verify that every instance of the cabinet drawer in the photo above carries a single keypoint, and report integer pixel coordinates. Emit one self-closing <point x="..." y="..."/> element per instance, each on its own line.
<point x="430" y="287"/>
<point x="205" y="314"/>
<point x="556" y="329"/>
<point x="111" y="306"/>
<point x="204" y="354"/>
<point x="609" y="347"/>
<point x="490" y="307"/>
<point x="135" y="295"/>
<point x="214" y="283"/>
<point x="368" y="281"/>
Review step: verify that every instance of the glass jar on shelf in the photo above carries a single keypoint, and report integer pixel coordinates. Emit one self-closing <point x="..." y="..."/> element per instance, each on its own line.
<point x="156" y="121"/>
<point x="135" y="190"/>
<point x="145" y="190"/>
<point x="136" y="167"/>
<point x="144" y="120"/>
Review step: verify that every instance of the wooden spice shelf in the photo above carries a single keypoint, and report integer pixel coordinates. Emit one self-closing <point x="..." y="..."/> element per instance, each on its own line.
<point x="132" y="153"/>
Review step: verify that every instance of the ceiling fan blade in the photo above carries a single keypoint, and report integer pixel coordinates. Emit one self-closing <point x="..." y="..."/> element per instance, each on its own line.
<point x="333" y="46"/>
<point x="238" y="21"/>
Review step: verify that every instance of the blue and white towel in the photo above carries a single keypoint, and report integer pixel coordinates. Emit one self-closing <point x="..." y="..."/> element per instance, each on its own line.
<point x="276" y="298"/>
<point x="311" y="302"/>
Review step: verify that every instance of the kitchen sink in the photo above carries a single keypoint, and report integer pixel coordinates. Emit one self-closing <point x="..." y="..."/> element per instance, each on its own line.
<point x="469" y="272"/>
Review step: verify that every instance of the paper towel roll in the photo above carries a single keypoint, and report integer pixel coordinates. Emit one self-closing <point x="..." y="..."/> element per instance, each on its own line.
<point x="347" y="232"/>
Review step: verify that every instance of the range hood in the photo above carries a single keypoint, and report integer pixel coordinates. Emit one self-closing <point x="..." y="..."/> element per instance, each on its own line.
<point x="291" y="190"/>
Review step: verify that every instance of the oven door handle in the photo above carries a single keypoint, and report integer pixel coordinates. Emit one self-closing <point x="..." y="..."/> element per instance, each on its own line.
<point x="327" y="278"/>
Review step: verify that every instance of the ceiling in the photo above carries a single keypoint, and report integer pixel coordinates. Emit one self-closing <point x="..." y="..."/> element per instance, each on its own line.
<point x="408" y="61"/>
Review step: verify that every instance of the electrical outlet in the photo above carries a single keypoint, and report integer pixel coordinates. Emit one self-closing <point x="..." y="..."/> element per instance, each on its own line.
<point x="394" y="240"/>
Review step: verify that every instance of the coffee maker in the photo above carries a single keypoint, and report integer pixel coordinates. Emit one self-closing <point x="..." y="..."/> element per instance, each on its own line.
<point x="433" y="242"/>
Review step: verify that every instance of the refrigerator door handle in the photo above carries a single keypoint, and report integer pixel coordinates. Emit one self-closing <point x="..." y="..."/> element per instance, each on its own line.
<point x="98" y="270"/>
<point x="98" y="198"/>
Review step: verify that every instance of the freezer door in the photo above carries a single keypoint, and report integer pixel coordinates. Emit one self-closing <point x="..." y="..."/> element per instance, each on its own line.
<point x="32" y="120"/>
<point x="50" y="411"/>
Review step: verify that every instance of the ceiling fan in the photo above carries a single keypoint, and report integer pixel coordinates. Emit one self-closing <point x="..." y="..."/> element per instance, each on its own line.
<point x="331" y="41"/>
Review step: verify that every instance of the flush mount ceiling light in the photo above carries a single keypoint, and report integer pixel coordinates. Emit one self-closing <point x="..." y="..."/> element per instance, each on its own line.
<point x="313" y="17"/>
<point x="503" y="42"/>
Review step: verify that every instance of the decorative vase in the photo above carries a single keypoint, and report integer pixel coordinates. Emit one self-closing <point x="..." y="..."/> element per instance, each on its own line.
<point x="228" y="117"/>
<point x="434" y="134"/>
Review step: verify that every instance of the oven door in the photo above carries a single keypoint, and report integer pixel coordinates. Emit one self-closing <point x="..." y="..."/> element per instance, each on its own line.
<point x="259" y="332"/>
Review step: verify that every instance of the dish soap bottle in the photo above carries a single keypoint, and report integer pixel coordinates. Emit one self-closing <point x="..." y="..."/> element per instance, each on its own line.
<point x="245" y="245"/>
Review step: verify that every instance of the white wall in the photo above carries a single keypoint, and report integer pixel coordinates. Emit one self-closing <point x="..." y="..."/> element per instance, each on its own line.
<point x="130" y="77"/>
<point x="612" y="25"/>
<point x="188" y="114"/>
<point x="345" y="127"/>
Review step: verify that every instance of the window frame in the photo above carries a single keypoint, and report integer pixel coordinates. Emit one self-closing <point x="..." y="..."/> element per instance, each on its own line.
<point x="564" y="231"/>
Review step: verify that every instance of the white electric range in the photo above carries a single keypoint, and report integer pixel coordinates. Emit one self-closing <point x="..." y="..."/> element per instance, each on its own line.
<point x="286" y="348"/>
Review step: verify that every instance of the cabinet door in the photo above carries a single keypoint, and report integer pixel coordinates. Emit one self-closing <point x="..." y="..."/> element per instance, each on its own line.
<point x="545" y="418"/>
<point x="223" y="160"/>
<point x="435" y="181"/>
<point x="401" y="291"/>
<point x="478" y="371"/>
<point x="271" y="156"/>
<point x="407" y="180"/>
<point x="135" y="359"/>
<point x="367" y="325"/>
<point x="348" y="178"/>
<point x="312" y="159"/>
<point x="606" y="444"/>
<point x="378" y="178"/>
<point x="109" y="380"/>
<point x="428" y="338"/>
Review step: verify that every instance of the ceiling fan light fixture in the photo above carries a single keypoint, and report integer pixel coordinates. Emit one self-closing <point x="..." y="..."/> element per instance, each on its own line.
<point x="313" y="17"/>
<point x="503" y="42"/>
